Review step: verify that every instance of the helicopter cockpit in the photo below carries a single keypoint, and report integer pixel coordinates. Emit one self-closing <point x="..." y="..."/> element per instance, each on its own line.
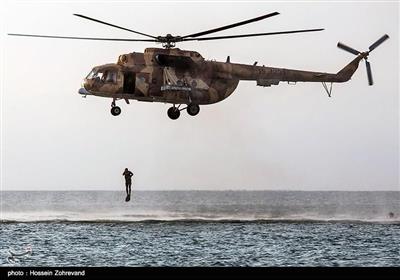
<point x="107" y="80"/>
<point x="102" y="79"/>
<point x="102" y="75"/>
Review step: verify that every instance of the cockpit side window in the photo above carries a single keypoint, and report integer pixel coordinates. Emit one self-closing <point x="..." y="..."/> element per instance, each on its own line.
<point x="111" y="76"/>
<point x="106" y="76"/>
<point x="95" y="74"/>
<point x="103" y="76"/>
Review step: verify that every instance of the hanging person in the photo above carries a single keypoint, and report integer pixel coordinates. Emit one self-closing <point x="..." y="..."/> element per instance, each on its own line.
<point x="128" y="183"/>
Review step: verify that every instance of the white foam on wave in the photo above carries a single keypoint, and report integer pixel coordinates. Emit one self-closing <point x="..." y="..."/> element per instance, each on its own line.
<point x="175" y="216"/>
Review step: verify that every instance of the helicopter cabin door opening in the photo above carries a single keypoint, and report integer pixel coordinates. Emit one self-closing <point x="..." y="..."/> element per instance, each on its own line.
<point x="129" y="82"/>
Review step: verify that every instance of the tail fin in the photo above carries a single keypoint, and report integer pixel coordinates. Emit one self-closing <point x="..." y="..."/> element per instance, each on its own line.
<point x="347" y="72"/>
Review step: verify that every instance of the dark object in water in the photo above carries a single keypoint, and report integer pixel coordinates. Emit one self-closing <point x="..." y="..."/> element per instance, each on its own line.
<point x="391" y="215"/>
<point x="128" y="197"/>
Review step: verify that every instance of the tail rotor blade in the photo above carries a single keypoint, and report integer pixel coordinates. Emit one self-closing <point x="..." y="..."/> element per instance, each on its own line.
<point x="369" y="73"/>
<point x="380" y="41"/>
<point x="347" y="48"/>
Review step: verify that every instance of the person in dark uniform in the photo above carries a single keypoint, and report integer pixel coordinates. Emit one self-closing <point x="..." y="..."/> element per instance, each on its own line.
<point x="128" y="181"/>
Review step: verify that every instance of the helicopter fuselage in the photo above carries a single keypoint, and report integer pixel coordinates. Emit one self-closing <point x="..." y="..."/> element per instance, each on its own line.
<point x="185" y="77"/>
<point x="161" y="75"/>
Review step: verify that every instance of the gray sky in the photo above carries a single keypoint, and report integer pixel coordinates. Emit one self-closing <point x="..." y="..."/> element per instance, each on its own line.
<point x="284" y="137"/>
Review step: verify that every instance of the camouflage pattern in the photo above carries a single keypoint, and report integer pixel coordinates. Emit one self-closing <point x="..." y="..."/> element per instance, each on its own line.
<point x="185" y="77"/>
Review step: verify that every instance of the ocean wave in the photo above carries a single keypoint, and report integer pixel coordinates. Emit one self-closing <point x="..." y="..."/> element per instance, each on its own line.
<point x="191" y="219"/>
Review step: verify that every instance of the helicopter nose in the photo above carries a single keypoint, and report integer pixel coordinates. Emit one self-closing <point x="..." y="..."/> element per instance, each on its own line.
<point x="83" y="90"/>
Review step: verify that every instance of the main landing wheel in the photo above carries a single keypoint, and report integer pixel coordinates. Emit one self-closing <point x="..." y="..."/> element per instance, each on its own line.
<point x="193" y="109"/>
<point x="173" y="113"/>
<point x="115" y="111"/>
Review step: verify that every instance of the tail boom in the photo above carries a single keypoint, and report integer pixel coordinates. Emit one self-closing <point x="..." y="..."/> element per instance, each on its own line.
<point x="262" y="73"/>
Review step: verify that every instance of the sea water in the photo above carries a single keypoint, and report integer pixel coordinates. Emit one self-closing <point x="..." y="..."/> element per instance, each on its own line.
<point x="201" y="228"/>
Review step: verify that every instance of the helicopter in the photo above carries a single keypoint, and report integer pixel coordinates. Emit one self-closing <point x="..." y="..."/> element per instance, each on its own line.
<point x="185" y="79"/>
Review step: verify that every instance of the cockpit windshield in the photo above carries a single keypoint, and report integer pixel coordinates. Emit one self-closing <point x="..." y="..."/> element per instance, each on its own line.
<point x="91" y="74"/>
<point x="106" y="76"/>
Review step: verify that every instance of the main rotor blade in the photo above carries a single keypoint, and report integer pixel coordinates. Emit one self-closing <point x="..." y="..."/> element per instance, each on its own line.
<point x="84" y="38"/>
<point x="380" y="41"/>
<point x="347" y="48"/>
<point x="113" y="25"/>
<point x="231" y="25"/>
<point x="369" y="73"/>
<point x="252" y="35"/>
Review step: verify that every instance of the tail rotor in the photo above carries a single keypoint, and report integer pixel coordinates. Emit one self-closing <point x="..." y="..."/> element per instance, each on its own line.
<point x="365" y="54"/>
<point x="347" y="48"/>
<point x="377" y="43"/>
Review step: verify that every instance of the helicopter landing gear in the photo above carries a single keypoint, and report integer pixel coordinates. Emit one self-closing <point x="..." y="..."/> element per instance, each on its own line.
<point x="193" y="109"/>
<point x="173" y="113"/>
<point x="115" y="110"/>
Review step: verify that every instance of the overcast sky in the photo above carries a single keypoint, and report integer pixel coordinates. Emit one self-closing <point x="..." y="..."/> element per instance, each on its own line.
<point x="286" y="137"/>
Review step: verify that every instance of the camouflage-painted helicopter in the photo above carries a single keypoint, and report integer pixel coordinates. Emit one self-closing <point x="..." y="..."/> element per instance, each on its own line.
<point x="180" y="77"/>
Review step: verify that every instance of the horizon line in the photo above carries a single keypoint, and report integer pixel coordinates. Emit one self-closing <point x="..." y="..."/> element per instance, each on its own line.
<point x="195" y="190"/>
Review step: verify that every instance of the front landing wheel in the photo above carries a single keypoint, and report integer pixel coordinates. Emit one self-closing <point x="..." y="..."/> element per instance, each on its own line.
<point x="115" y="111"/>
<point x="173" y="113"/>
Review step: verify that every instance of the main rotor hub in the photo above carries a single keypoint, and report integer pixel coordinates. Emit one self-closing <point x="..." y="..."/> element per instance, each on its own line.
<point x="169" y="40"/>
